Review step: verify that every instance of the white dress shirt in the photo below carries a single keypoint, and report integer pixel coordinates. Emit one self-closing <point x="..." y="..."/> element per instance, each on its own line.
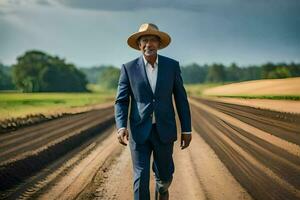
<point x="152" y="77"/>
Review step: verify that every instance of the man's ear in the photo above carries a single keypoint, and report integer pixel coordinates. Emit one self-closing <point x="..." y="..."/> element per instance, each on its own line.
<point x="138" y="43"/>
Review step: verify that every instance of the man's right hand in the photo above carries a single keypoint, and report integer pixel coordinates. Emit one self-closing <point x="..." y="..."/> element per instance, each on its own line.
<point x="123" y="136"/>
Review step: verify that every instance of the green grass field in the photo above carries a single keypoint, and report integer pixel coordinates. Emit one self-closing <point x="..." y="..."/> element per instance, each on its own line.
<point x="16" y="104"/>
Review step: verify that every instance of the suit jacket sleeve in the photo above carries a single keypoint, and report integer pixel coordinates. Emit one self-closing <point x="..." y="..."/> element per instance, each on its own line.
<point x="122" y="99"/>
<point x="182" y="104"/>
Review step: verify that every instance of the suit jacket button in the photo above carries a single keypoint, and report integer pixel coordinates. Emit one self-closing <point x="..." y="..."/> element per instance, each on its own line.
<point x="153" y="100"/>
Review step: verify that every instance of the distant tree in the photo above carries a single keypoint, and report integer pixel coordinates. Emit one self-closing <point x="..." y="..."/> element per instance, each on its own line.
<point x="93" y="73"/>
<point x="5" y="78"/>
<point x="109" y="78"/>
<point x="233" y="73"/>
<point x="250" y="73"/>
<point x="279" y="72"/>
<point x="194" y="73"/>
<point x="37" y="71"/>
<point x="216" y="73"/>
<point x="266" y="69"/>
<point x="294" y="69"/>
<point x="72" y="79"/>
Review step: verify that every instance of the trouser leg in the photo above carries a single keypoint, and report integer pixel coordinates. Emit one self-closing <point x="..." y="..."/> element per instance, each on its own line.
<point x="141" y="154"/>
<point x="163" y="164"/>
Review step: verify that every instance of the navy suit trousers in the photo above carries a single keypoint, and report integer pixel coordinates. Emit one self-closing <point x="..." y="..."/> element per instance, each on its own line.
<point x="162" y="166"/>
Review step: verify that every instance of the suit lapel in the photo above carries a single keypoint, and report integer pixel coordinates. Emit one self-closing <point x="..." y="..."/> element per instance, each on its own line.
<point x="159" y="75"/>
<point x="142" y="68"/>
<point x="144" y="74"/>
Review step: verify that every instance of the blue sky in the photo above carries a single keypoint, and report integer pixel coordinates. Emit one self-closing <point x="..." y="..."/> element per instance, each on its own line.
<point x="94" y="32"/>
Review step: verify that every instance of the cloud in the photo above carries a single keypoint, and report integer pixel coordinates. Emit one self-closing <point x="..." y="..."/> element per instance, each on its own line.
<point x="133" y="4"/>
<point x="43" y="2"/>
<point x="108" y="5"/>
<point x="187" y="5"/>
<point x="223" y="30"/>
<point x="18" y="3"/>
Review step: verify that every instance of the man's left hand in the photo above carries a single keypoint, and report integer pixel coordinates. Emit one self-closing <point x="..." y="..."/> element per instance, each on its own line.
<point x="185" y="140"/>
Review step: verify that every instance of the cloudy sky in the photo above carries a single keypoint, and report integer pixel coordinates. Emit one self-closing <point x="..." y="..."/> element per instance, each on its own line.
<point x="94" y="32"/>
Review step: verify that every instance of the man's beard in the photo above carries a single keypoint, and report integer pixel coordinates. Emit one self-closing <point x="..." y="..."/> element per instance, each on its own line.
<point x="149" y="52"/>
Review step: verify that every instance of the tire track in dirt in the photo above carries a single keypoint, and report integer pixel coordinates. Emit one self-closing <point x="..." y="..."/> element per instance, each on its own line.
<point x="33" y="140"/>
<point x="52" y="174"/>
<point x="19" y="168"/>
<point x="264" y="169"/>
<point x="283" y="125"/>
<point x="230" y="157"/>
<point x="199" y="175"/>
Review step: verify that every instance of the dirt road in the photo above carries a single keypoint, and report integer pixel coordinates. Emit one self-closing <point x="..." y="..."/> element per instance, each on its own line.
<point x="260" y="148"/>
<point x="237" y="152"/>
<point x="199" y="174"/>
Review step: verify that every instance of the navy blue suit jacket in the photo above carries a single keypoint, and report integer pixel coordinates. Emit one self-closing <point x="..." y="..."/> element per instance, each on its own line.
<point x="134" y="89"/>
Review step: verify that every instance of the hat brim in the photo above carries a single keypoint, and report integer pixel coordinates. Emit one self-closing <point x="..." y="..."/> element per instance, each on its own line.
<point x="164" y="37"/>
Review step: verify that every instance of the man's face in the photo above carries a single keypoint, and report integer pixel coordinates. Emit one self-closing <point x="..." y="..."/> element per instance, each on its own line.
<point x="149" y="44"/>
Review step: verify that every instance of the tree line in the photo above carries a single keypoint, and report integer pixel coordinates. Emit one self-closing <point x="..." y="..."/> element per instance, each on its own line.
<point x="216" y="73"/>
<point x="36" y="71"/>
<point x="105" y="76"/>
<point x="6" y="82"/>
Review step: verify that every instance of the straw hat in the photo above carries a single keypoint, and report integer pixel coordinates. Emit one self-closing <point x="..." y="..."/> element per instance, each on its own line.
<point x="148" y="29"/>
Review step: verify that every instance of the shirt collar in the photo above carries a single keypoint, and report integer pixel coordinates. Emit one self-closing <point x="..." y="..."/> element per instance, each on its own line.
<point x="146" y="62"/>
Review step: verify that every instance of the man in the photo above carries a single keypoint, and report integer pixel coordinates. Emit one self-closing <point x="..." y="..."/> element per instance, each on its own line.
<point x="148" y="83"/>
